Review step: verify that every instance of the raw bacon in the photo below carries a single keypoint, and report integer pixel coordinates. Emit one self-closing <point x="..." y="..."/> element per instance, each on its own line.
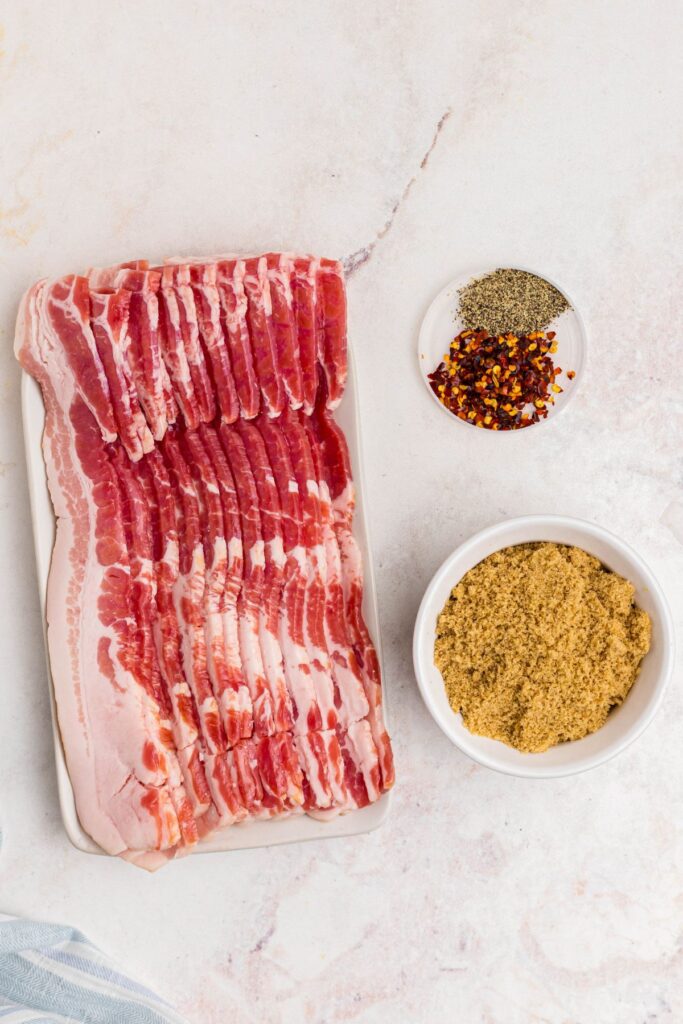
<point x="337" y="466"/>
<point x="210" y="659"/>
<point x="208" y="307"/>
<point x="304" y="277"/>
<point x="228" y="684"/>
<point x="284" y="326"/>
<point x="331" y="329"/>
<point x="262" y="334"/>
<point x="233" y="300"/>
<point x="258" y="582"/>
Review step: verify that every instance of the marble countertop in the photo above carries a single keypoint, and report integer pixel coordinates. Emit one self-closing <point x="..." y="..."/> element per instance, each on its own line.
<point x="415" y="139"/>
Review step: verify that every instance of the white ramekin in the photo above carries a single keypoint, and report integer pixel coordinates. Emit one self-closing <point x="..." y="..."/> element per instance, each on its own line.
<point x="624" y="724"/>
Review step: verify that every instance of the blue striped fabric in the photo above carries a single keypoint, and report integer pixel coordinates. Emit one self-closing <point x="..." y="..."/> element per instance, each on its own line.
<point x="51" y="974"/>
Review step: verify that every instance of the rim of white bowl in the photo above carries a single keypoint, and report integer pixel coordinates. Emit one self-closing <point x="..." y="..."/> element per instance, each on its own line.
<point x="583" y="335"/>
<point x="587" y="762"/>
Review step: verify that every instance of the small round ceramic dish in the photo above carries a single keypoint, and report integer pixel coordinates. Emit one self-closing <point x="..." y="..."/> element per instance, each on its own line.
<point x="624" y="723"/>
<point x="442" y="323"/>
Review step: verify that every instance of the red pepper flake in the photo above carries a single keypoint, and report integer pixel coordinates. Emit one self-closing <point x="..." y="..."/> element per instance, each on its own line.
<point x="502" y="382"/>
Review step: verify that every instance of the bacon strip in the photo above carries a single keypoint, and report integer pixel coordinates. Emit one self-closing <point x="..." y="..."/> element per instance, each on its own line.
<point x="331" y="320"/>
<point x="188" y="596"/>
<point x="249" y="599"/>
<point x="260" y="581"/>
<point x="350" y="704"/>
<point x="142" y="596"/>
<point x="182" y="315"/>
<point x="261" y="332"/>
<point x="157" y="489"/>
<point x="304" y="278"/>
<point x="345" y="666"/>
<point x="233" y="577"/>
<point x="208" y="307"/>
<point x="337" y="468"/>
<point x="329" y="699"/>
<point x="228" y="684"/>
<point x="292" y="607"/>
<point x="233" y="300"/>
<point x="108" y="320"/>
<point x="144" y="352"/>
<point x="70" y="343"/>
<point x="265" y="492"/>
<point x="279" y="268"/>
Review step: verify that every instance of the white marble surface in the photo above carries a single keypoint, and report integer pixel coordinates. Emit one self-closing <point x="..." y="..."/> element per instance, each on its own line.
<point x="553" y="139"/>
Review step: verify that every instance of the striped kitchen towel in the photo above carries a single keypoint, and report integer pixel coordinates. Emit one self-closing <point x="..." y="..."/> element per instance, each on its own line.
<point x="51" y="974"/>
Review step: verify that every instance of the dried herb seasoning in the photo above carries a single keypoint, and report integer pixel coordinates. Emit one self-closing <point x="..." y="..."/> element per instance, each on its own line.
<point x="509" y="300"/>
<point x="502" y="382"/>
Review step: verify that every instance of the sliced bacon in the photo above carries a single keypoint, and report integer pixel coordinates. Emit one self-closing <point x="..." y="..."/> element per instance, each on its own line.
<point x="297" y="665"/>
<point x="233" y="300"/>
<point x="137" y="528"/>
<point x="88" y="611"/>
<point x="304" y="277"/>
<point x="279" y="266"/>
<point x="322" y="768"/>
<point x="228" y="683"/>
<point x="262" y="334"/>
<point x="331" y="328"/>
<point x="109" y="313"/>
<point x="144" y="350"/>
<point x="268" y="775"/>
<point x="205" y="573"/>
<point x="345" y="667"/>
<point x="337" y="468"/>
<point x="279" y="774"/>
<point x="229" y="605"/>
<point x="227" y="799"/>
<point x="156" y="485"/>
<point x="314" y="601"/>
<point x="123" y="654"/>
<point x="249" y="598"/>
<point x="350" y="704"/>
<point x="182" y="313"/>
<point x="208" y="307"/>
<point x="70" y="341"/>
<point x="173" y="351"/>
<point x="148" y="382"/>
<point x="268" y="503"/>
<point x="108" y="278"/>
<point x="257" y="585"/>
<point x="108" y="318"/>
<point x="188" y="595"/>
<point x="361" y="764"/>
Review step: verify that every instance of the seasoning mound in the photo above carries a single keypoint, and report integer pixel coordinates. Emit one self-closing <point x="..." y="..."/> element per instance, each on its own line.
<point x="502" y="383"/>
<point x="537" y="643"/>
<point x="510" y="301"/>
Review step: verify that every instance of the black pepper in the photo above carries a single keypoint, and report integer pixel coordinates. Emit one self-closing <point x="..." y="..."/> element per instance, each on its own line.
<point x="510" y="301"/>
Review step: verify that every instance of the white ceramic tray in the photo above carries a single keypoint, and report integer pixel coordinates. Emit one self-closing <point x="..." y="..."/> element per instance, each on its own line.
<point x="248" y="834"/>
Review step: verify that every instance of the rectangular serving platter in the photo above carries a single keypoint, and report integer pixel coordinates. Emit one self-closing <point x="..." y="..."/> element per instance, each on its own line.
<point x="248" y="834"/>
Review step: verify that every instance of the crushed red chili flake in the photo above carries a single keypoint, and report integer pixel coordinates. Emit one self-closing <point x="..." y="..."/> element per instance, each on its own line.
<point x="501" y="382"/>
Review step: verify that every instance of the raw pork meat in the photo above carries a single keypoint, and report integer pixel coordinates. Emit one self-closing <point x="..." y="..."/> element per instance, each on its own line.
<point x="210" y="659"/>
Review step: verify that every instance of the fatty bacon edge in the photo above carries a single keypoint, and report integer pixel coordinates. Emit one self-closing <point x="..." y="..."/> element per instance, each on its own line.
<point x="209" y="655"/>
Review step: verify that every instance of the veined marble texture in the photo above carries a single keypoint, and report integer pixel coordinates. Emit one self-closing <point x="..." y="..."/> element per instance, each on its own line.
<point x="414" y="139"/>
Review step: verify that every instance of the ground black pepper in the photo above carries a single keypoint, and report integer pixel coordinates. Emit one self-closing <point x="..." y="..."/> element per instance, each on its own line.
<point x="509" y="300"/>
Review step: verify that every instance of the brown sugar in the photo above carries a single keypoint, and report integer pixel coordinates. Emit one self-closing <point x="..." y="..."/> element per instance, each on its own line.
<point x="537" y="643"/>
